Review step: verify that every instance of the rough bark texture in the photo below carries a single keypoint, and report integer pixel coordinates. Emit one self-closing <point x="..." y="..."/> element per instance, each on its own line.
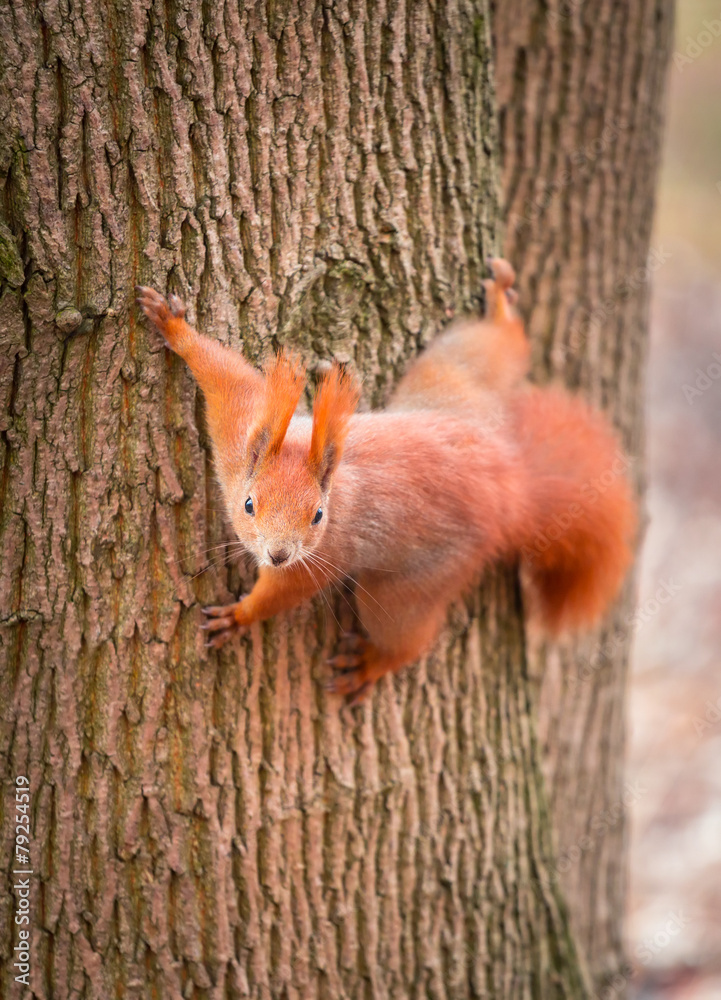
<point x="215" y="826"/>
<point x="581" y="94"/>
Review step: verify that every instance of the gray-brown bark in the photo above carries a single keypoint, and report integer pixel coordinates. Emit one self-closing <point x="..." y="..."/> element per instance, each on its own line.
<point x="580" y="94"/>
<point x="211" y="825"/>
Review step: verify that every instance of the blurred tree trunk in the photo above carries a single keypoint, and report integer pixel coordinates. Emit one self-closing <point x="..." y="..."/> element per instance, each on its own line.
<point x="580" y="90"/>
<point x="215" y="826"/>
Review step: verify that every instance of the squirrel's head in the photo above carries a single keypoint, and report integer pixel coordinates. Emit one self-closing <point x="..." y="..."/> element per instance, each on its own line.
<point x="278" y="503"/>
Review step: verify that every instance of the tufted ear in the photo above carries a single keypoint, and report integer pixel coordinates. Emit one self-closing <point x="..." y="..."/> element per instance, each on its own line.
<point x="284" y="380"/>
<point x="334" y="404"/>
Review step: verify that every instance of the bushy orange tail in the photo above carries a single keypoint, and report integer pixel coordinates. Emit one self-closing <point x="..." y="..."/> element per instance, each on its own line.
<point x="582" y="511"/>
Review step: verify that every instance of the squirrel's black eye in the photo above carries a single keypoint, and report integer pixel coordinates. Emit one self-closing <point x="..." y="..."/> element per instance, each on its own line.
<point x="318" y="516"/>
<point x="249" y="506"/>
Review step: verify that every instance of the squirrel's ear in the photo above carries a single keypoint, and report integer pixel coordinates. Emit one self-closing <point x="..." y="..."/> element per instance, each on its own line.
<point x="284" y="379"/>
<point x="335" y="402"/>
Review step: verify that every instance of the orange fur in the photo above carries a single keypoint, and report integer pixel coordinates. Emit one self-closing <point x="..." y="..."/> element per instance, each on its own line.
<point x="284" y="380"/>
<point x="577" y="545"/>
<point x="335" y="402"/>
<point x="232" y="388"/>
<point x="469" y="465"/>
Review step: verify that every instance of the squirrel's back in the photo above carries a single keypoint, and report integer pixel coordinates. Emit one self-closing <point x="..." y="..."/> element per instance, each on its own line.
<point x="425" y="481"/>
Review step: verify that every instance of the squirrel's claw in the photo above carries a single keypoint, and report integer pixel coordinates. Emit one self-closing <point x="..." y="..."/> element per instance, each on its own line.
<point x="221" y="622"/>
<point x="160" y="311"/>
<point x="216" y="624"/>
<point x="176" y="305"/>
<point x="352" y="682"/>
<point x="361" y="694"/>
<point x="220" y="639"/>
<point x="153" y="304"/>
<point x="346" y="661"/>
<point x="503" y="273"/>
<point x="500" y="296"/>
<point x="354" y="675"/>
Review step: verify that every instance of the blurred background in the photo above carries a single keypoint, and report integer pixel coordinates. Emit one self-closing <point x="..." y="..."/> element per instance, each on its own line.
<point x="674" y="921"/>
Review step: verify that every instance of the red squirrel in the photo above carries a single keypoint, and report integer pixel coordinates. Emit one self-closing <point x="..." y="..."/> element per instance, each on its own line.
<point x="468" y="465"/>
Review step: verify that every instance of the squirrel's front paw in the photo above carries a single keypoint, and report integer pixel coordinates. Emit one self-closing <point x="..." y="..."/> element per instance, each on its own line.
<point x="223" y="622"/>
<point x="357" y="668"/>
<point x="161" y="312"/>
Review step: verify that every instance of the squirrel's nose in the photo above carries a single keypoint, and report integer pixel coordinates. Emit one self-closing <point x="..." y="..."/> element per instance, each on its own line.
<point x="278" y="558"/>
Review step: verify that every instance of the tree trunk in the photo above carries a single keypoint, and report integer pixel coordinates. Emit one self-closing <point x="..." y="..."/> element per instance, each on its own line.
<point x="214" y="825"/>
<point x="580" y="97"/>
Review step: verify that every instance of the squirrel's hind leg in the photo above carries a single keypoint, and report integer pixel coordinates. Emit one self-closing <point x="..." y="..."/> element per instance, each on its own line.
<point x="357" y="668"/>
<point x="400" y="624"/>
<point x="473" y="357"/>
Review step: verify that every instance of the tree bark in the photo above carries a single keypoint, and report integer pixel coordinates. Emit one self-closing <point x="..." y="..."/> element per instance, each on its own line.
<point x="213" y="825"/>
<point x="581" y="98"/>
